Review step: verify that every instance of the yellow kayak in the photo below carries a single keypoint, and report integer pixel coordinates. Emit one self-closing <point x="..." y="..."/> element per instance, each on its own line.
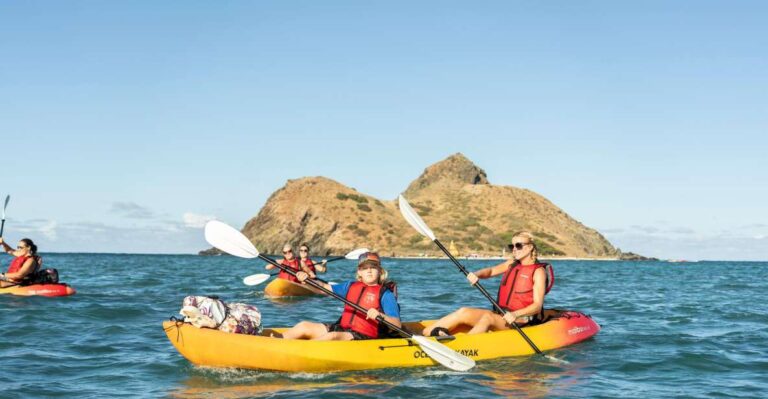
<point x="208" y="347"/>
<point x="279" y="288"/>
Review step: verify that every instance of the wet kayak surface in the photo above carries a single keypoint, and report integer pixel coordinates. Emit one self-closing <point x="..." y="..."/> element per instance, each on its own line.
<point x="668" y="329"/>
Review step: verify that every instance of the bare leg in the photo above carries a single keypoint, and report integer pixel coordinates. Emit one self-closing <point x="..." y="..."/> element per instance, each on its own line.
<point x="468" y="316"/>
<point x="489" y="322"/>
<point x="305" y="330"/>
<point x="335" y="336"/>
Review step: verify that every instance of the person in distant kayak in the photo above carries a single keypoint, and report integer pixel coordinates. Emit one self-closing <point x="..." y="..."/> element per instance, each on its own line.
<point x="24" y="263"/>
<point x="290" y="260"/>
<point x="306" y="263"/>
<point x="524" y="283"/>
<point x="371" y="291"/>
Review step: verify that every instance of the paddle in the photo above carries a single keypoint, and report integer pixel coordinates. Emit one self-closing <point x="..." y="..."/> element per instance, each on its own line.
<point x="256" y="279"/>
<point x="231" y="241"/>
<point x="2" y="225"/>
<point x="418" y="223"/>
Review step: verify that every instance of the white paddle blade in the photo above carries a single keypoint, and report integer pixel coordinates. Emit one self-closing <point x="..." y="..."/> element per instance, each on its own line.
<point x="356" y="253"/>
<point x="229" y="240"/>
<point x="443" y="354"/>
<point x="556" y="360"/>
<point x="256" y="279"/>
<point x="414" y="219"/>
<point x="7" y="198"/>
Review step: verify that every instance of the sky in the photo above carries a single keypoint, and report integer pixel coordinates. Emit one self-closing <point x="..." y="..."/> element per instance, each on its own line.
<point x="124" y="126"/>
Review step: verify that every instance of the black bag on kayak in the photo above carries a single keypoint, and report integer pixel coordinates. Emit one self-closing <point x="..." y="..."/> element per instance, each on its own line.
<point x="41" y="276"/>
<point x="45" y="276"/>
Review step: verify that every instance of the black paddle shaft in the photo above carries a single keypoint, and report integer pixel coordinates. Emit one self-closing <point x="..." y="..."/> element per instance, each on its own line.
<point x="2" y="227"/>
<point x="495" y="304"/>
<point x="335" y="295"/>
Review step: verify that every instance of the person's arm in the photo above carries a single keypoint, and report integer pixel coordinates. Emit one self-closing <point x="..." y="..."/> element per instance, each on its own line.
<point x="303" y="276"/>
<point x="488" y="272"/>
<point x="321" y="267"/>
<point x="306" y="267"/>
<point x="270" y="266"/>
<point x="393" y="320"/>
<point x="26" y="268"/>
<point x="390" y="307"/>
<point x="539" y="289"/>
<point x="6" y="248"/>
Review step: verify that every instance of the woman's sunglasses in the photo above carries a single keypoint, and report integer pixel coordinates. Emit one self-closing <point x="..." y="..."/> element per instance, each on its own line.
<point x="518" y="245"/>
<point x="290" y="251"/>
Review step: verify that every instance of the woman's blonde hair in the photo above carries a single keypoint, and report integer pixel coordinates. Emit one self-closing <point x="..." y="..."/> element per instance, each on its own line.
<point x="528" y="236"/>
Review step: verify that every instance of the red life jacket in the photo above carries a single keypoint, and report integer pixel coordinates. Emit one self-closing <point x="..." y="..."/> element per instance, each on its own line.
<point x="17" y="263"/>
<point x="367" y="297"/>
<point x="516" y="289"/>
<point x="311" y="265"/>
<point x="292" y="264"/>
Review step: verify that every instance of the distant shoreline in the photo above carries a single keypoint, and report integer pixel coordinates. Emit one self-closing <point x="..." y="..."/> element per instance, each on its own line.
<point x="412" y="257"/>
<point x="498" y="258"/>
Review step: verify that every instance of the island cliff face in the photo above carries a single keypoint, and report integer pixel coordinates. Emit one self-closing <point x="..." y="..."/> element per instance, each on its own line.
<point x="453" y="196"/>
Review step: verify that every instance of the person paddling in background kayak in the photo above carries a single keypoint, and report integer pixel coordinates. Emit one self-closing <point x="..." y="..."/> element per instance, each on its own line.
<point x="524" y="283"/>
<point x="370" y="292"/>
<point x="306" y="263"/>
<point x="24" y="263"/>
<point x="291" y="261"/>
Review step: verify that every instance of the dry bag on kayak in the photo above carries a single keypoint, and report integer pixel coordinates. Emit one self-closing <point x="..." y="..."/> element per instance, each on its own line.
<point x="212" y="312"/>
<point x="45" y="276"/>
<point x="41" y="276"/>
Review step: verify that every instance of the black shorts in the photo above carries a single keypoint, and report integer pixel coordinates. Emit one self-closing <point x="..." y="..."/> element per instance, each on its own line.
<point x="336" y="327"/>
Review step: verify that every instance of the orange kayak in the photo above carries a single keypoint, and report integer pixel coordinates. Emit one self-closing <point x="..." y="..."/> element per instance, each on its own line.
<point x="49" y="290"/>
<point x="279" y="288"/>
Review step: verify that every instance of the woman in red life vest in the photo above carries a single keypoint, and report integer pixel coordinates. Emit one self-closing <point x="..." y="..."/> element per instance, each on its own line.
<point x="23" y="263"/>
<point x="306" y="263"/>
<point x="369" y="292"/>
<point x="521" y="293"/>
<point x="291" y="261"/>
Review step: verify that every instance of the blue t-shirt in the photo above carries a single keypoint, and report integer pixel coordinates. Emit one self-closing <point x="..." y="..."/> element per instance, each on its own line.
<point x="388" y="301"/>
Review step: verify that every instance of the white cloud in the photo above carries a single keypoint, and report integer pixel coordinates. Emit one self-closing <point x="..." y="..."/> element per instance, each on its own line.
<point x="679" y="243"/>
<point x="196" y="221"/>
<point x="132" y="210"/>
<point x="39" y="226"/>
<point x="49" y="230"/>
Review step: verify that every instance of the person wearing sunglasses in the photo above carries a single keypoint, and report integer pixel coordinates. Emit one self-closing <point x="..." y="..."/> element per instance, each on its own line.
<point x="24" y="263"/>
<point x="371" y="291"/>
<point x="524" y="283"/>
<point x="306" y="263"/>
<point x="288" y="260"/>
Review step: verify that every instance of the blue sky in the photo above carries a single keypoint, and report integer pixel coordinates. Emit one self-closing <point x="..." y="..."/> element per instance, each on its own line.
<point x="126" y="125"/>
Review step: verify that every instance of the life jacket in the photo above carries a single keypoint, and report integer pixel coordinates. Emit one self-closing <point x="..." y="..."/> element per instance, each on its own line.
<point x="367" y="297"/>
<point x="17" y="263"/>
<point x="294" y="265"/>
<point x="311" y="265"/>
<point x="516" y="288"/>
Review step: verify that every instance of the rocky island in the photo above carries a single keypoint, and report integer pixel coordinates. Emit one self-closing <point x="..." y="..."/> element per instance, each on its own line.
<point x="453" y="196"/>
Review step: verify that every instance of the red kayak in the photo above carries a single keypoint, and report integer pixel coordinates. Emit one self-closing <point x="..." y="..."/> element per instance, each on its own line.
<point x="49" y="290"/>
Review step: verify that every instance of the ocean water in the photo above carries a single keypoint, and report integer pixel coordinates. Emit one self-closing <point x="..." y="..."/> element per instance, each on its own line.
<point x="668" y="330"/>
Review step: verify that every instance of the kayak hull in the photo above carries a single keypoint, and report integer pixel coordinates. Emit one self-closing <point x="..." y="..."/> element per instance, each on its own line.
<point x="281" y="288"/>
<point x="208" y="347"/>
<point x="49" y="290"/>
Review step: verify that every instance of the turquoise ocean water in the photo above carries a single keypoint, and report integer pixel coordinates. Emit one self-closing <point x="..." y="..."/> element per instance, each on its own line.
<point x="669" y="330"/>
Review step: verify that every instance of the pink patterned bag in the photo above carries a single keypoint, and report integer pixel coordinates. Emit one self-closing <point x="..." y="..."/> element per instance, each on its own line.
<point x="212" y="312"/>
